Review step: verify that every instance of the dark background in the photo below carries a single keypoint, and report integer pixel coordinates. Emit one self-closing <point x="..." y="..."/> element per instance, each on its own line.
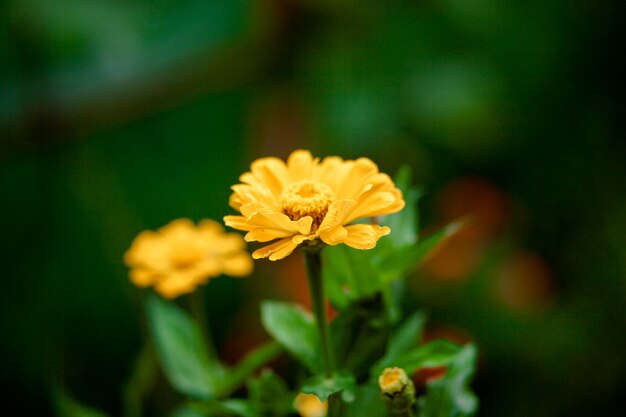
<point x="121" y="115"/>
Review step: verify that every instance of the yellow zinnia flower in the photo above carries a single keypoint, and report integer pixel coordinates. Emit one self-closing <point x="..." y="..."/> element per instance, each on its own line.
<point x="305" y="199"/>
<point x="180" y="256"/>
<point x="308" y="405"/>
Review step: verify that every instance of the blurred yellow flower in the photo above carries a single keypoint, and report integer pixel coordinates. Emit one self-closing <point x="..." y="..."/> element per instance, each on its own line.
<point x="305" y="199"/>
<point x="308" y="405"/>
<point x="180" y="256"/>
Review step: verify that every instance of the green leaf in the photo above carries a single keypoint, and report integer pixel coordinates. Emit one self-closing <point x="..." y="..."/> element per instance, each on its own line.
<point x="404" y="338"/>
<point x="250" y="363"/>
<point x="66" y="406"/>
<point x="270" y="393"/>
<point x="367" y="402"/>
<point x="181" y="350"/>
<point x="240" y="408"/>
<point x="324" y="387"/>
<point x="403" y="261"/>
<point x="404" y="225"/>
<point x="294" y="329"/>
<point x="451" y="396"/>
<point x="433" y="354"/>
<point x="349" y="274"/>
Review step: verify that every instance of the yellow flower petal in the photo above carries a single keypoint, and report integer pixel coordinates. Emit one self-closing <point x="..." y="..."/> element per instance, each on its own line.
<point x="357" y="178"/>
<point x="176" y="284"/>
<point x="337" y="212"/>
<point x="334" y="235"/>
<point x="142" y="277"/>
<point x="238" y="265"/>
<point x="365" y="236"/>
<point x="300" y="165"/>
<point x="297" y="239"/>
<point x="374" y="205"/>
<point x="270" y="172"/>
<point x="275" y="251"/>
<point x="237" y="222"/>
<point x="276" y="225"/>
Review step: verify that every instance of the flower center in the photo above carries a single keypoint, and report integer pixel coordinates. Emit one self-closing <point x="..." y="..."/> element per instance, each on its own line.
<point x="307" y="198"/>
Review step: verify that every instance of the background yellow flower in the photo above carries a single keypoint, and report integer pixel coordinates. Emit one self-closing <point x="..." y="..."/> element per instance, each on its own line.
<point x="180" y="256"/>
<point x="305" y="199"/>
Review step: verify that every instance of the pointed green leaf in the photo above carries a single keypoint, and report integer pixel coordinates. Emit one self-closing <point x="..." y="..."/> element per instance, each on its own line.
<point x="294" y="329"/>
<point x="405" y="260"/>
<point x="181" y="350"/>
<point x="404" y="339"/>
<point x="324" y="387"/>
<point x="451" y="396"/>
<point x="433" y="354"/>
<point x="250" y="363"/>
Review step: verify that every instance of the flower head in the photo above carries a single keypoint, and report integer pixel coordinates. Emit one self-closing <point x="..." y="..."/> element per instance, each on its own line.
<point x="308" y="405"/>
<point x="180" y="256"/>
<point x="306" y="199"/>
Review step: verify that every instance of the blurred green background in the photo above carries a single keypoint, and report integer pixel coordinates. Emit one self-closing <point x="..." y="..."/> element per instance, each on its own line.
<point x="121" y="115"/>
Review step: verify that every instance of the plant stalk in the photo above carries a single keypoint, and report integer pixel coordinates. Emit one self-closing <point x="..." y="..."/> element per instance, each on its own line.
<point x="313" y="263"/>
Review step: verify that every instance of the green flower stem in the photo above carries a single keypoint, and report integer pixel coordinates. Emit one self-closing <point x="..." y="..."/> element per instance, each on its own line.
<point x="313" y="262"/>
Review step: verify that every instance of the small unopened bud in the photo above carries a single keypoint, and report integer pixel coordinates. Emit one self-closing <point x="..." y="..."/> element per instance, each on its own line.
<point x="397" y="390"/>
<point x="308" y="405"/>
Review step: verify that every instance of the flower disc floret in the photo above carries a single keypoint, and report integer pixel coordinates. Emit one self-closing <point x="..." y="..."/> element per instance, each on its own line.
<point x="180" y="256"/>
<point x="305" y="199"/>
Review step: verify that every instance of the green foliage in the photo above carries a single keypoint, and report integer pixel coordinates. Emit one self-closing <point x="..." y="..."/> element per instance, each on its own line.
<point x="323" y="387"/>
<point x="252" y="361"/>
<point x="270" y="394"/>
<point x="181" y="350"/>
<point x="367" y="402"/>
<point x="294" y="329"/>
<point x="451" y="396"/>
<point x="403" y="340"/>
<point x="430" y="355"/>
<point x="359" y="335"/>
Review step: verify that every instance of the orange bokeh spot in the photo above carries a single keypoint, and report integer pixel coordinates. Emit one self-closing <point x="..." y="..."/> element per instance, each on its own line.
<point x="487" y="210"/>
<point x="524" y="282"/>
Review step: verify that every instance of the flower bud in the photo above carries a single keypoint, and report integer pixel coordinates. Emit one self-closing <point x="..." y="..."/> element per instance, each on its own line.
<point x="397" y="390"/>
<point x="308" y="405"/>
